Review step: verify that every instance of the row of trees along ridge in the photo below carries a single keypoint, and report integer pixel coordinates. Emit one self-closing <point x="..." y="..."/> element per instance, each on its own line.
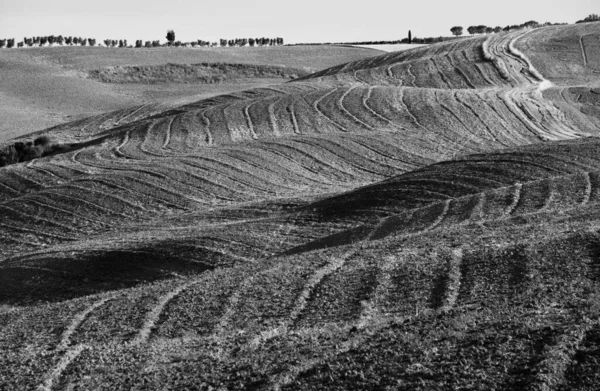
<point x="122" y="43"/>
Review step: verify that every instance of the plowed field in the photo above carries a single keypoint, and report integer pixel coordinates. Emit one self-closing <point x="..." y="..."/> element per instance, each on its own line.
<point x="425" y="219"/>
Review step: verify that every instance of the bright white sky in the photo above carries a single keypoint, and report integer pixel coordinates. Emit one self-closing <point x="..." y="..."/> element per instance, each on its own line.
<point x="300" y="21"/>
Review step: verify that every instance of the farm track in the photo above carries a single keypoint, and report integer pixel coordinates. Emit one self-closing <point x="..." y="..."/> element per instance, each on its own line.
<point x="425" y="211"/>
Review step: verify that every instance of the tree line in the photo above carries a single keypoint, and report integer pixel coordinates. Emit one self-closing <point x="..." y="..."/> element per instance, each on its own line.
<point x="122" y="43"/>
<point x="483" y="29"/>
<point x="49" y="39"/>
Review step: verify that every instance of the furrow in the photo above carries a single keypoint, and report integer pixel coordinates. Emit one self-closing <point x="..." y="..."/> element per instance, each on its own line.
<point x="365" y="102"/>
<point x="441" y="73"/>
<point x="515" y="200"/>
<point x="452" y="281"/>
<point x="78" y="320"/>
<point x="345" y="111"/>
<point x="209" y="137"/>
<point x="153" y="316"/>
<point x="249" y="119"/>
<point x="441" y="216"/>
<point x="32" y="217"/>
<point x="320" y="112"/>
<point x="409" y="72"/>
<point x="588" y="189"/>
<point x="468" y="107"/>
<point x="57" y="371"/>
<point x="583" y="53"/>
<point x="273" y="118"/>
<point x="403" y="100"/>
<point x="290" y="110"/>
<point x="168" y="133"/>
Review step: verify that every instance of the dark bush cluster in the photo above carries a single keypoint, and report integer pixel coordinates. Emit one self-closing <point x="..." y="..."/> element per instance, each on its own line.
<point x="252" y="42"/>
<point x="590" y="18"/>
<point x="22" y="151"/>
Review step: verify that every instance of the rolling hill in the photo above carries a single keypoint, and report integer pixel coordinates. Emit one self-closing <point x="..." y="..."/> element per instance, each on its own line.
<point x="48" y="86"/>
<point x="425" y="219"/>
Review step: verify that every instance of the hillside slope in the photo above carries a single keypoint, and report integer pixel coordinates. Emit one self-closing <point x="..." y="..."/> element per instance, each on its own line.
<point x="417" y="220"/>
<point x="47" y="86"/>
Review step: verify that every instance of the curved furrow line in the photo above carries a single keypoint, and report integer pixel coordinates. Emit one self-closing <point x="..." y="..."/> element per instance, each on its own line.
<point x="316" y="175"/>
<point x="79" y="319"/>
<point x="292" y="113"/>
<point x="138" y="170"/>
<point x="439" y="71"/>
<point x="471" y="134"/>
<point x="409" y="72"/>
<point x="483" y="75"/>
<point x="398" y="158"/>
<point x="522" y="57"/>
<point x="340" y="104"/>
<point x="67" y="212"/>
<point x="438" y="220"/>
<point x="38" y="232"/>
<point x="512" y="108"/>
<point x="583" y="53"/>
<point x="108" y="195"/>
<point x="470" y="108"/>
<point x="5" y="186"/>
<point x="588" y="189"/>
<point x="491" y="54"/>
<point x="477" y="212"/>
<point x="24" y="178"/>
<point x="273" y="118"/>
<point x="153" y="316"/>
<point x="354" y="161"/>
<point x="168" y="132"/>
<point x="249" y="184"/>
<point x="89" y="203"/>
<point x="315" y="106"/>
<point x="58" y="370"/>
<point x="340" y="158"/>
<point x="411" y="115"/>
<point x="249" y="123"/>
<point x="244" y="170"/>
<point x="32" y="217"/>
<point x="39" y="169"/>
<point x="460" y="71"/>
<point x="206" y="121"/>
<point x="365" y="103"/>
<point x="509" y="132"/>
<point x="117" y="150"/>
<point x="515" y="200"/>
<point x="452" y="281"/>
<point x="295" y="150"/>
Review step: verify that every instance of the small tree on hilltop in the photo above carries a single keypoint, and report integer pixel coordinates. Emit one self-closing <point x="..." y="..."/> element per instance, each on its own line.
<point x="489" y="30"/>
<point x="409" y="36"/>
<point x="170" y="37"/>
<point x="457" y="30"/>
<point x="497" y="29"/>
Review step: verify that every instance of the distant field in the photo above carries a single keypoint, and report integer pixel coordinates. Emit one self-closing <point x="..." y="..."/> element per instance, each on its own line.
<point x="390" y="47"/>
<point x="43" y="87"/>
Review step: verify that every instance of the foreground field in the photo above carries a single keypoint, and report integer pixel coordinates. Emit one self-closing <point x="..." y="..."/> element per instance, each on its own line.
<point x="43" y="87"/>
<point x="425" y="219"/>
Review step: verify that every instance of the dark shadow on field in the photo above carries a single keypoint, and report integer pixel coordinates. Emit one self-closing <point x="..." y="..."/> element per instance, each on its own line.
<point x="55" y="278"/>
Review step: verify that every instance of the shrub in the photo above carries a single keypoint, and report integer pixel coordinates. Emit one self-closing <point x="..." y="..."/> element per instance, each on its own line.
<point x="10" y="43"/>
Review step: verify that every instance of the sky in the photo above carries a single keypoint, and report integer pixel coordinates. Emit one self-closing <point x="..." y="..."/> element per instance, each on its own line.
<point x="297" y="22"/>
